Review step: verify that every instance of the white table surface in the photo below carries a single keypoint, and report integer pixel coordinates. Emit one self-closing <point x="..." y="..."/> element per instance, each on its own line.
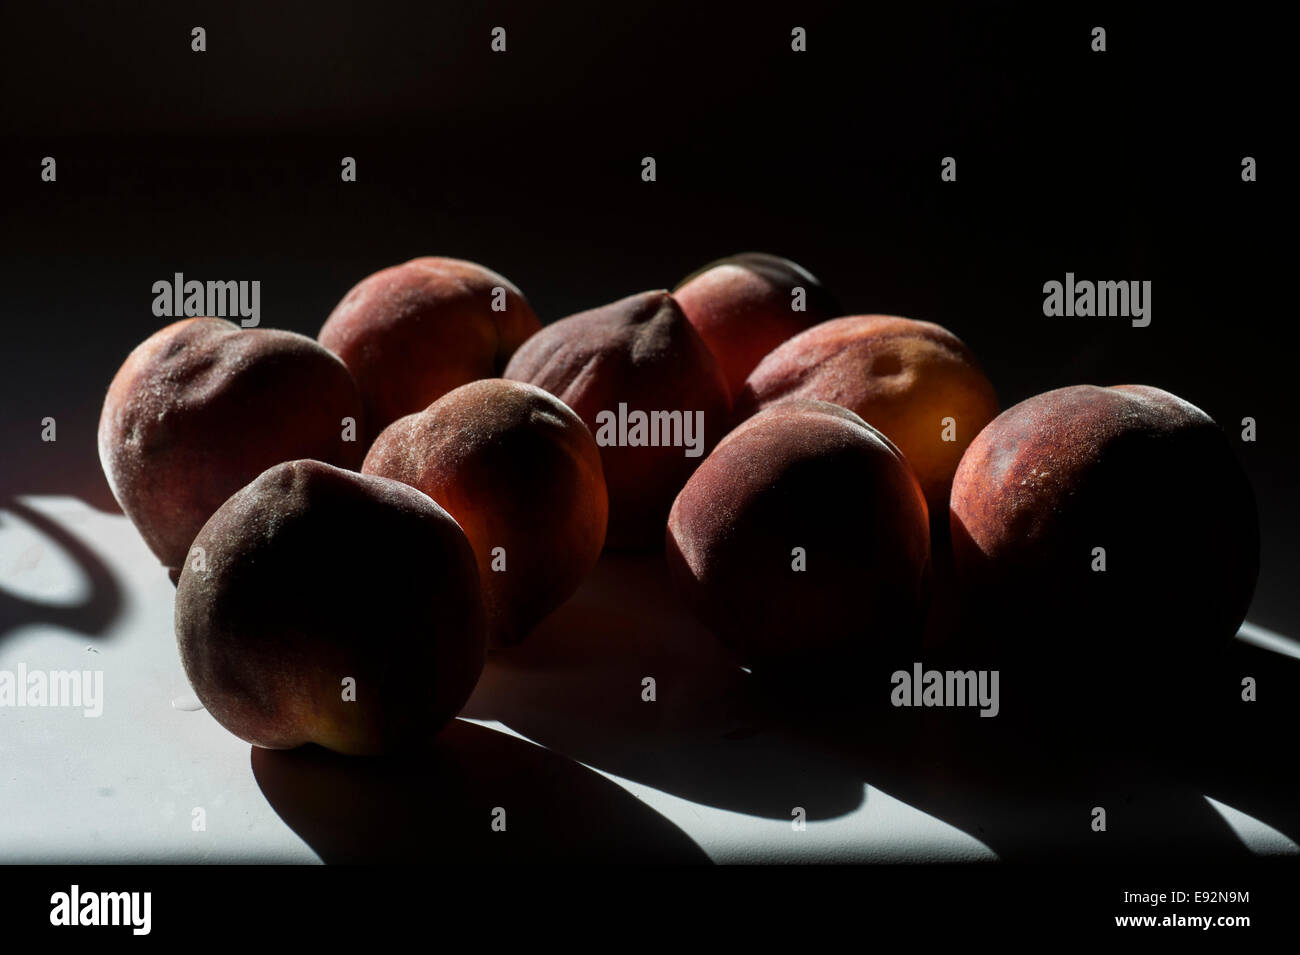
<point x="79" y="590"/>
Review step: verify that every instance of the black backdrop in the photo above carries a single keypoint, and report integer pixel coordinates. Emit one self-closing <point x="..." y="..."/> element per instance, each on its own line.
<point x="225" y="165"/>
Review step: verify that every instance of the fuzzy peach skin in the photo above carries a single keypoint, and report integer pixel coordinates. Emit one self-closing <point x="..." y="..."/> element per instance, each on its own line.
<point x="202" y="407"/>
<point x="743" y="307"/>
<point x="902" y="376"/>
<point x="519" y="471"/>
<point x="312" y="577"/>
<point x="810" y="475"/>
<point x="641" y="351"/>
<point x="412" y="332"/>
<point x="1132" y="469"/>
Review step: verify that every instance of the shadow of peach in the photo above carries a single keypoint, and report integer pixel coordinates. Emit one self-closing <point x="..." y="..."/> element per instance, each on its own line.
<point x="438" y="806"/>
<point x="1243" y="755"/>
<point x="577" y="685"/>
<point x="91" y="616"/>
<point x="1026" y="784"/>
<point x="1023" y="786"/>
<point x="1031" y="798"/>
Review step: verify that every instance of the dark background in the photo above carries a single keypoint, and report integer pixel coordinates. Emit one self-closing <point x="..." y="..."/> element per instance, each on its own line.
<point x="225" y="165"/>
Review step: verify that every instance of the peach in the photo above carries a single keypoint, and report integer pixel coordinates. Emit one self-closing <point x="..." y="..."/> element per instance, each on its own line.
<point x="412" y="332"/>
<point x="745" y="305"/>
<point x="803" y="534"/>
<point x="331" y="607"/>
<point x="643" y="381"/>
<point x="520" y="473"/>
<point x="915" y="381"/>
<point x="202" y="407"/>
<point x="1099" y="525"/>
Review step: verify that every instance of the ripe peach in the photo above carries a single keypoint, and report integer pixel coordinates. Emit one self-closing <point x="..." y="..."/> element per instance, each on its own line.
<point x="645" y="384"/>
<point x="202" y="407"/>
<point x="412" y="332"/>
<point x="745" y="305"/>
<point x="803" y="484"/>
<point x="1087" y="520"/>
<point x="905" y="377"/>
<point x="331" y="607"/>
<point x="519" y="471"/>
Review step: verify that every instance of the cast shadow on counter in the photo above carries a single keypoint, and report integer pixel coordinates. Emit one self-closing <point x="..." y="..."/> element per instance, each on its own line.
<point x="1147" y="742"/>
<point x="93" y="615"/>
<point x="1043" y="797"/>
<point x="447" y="806"/>
<point x="580" y="684"/>
<point x="1025" y="788"/>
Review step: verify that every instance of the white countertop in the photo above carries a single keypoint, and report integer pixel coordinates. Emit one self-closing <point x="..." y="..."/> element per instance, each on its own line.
<point x="557" y="734"/>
